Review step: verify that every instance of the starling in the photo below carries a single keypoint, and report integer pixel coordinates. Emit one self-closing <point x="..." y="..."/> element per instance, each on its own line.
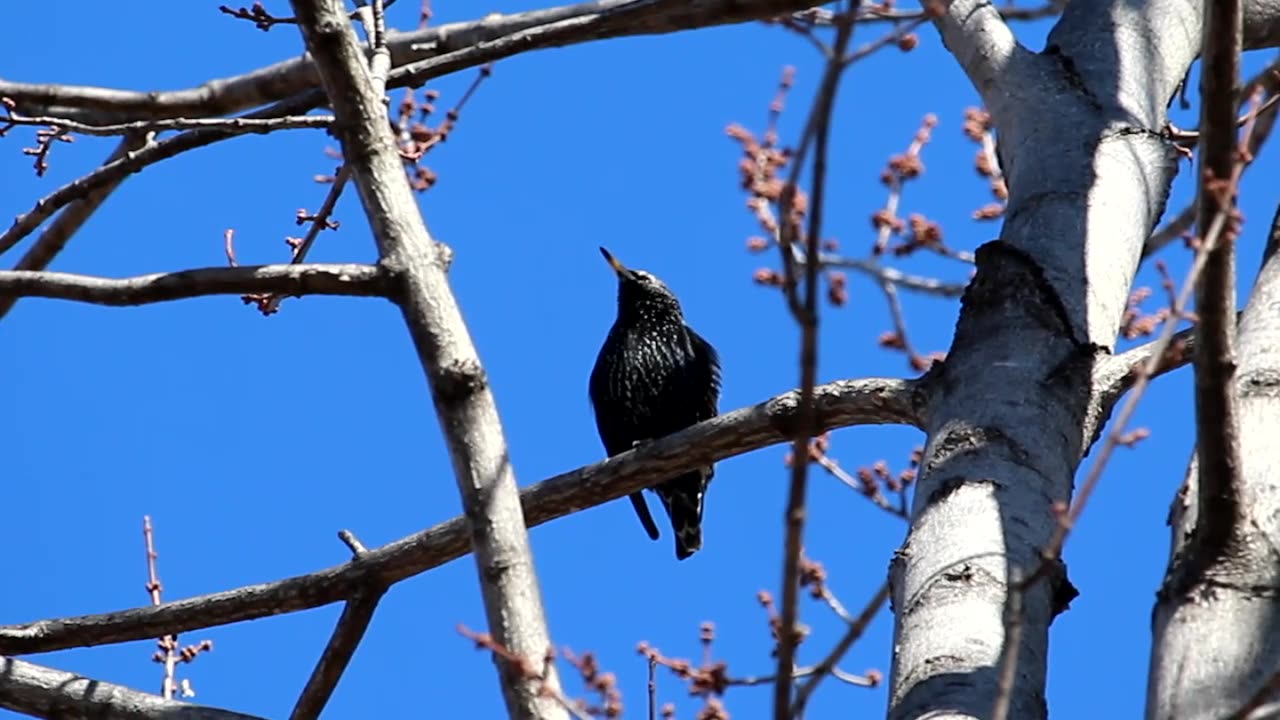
<point x="653" y="377"/>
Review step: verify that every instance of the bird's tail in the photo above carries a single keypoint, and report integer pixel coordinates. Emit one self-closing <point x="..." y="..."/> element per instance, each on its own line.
<point x="642" y="512"/>
<point x="682" y="497"/>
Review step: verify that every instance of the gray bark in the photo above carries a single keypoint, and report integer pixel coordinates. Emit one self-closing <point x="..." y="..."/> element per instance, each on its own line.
<point x="464" y="402"/>
<point x="47" y="693"/>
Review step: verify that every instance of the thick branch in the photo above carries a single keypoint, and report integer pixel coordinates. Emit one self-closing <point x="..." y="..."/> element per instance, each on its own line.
<point x="981" y="42"/>
<point x="596" y="20"/>
<point x="43" y="692"/>
<point x="236" y="125"/>
<point x="1217" y="416"/>
<point x="1216" y="649"/>
<point x="1088" y="174"/>
<point x="839" y="404"/>
<point x="311" y="279"/>
<point x="463" y="399"/>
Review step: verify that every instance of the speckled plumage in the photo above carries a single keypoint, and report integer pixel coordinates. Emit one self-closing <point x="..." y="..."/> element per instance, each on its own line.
<point x="655" y="376"/>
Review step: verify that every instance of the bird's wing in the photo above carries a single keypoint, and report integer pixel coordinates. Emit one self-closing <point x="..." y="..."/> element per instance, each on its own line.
<point x="615" y="435"/>
<point x="705" y="381"/>
<point x="612" y="429"/>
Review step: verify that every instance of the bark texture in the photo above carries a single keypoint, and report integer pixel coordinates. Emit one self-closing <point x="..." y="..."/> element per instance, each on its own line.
<point x="47" y="693"/>
<point x="464" y="402"/>
<point x="1217" y="626"/>
<point x="1088" y="171"/>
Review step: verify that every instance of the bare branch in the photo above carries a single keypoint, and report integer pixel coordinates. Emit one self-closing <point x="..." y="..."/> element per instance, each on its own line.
<point x="43" y="692"/>
<point x="264" y="20"/>
<point x="817" y="131"/>
<point x="463" y="399"/>
<point x="319" y="222"/>
<point x="346" y="637"/>
<point x="114" y="171"/>
<point x="1013" y="625"/>
<point x="596" y="20"/>
<point x="1263" y="123"/>
<point x="1115" y="375"/>
<point x="169" y="653"/>
<point x="871" y="401"/>
<point x="312" y="279"/>
<point x="70" y="220"/>
<point x="981" y="42"/>
<point x="856" y="628"/>
<point x="885" y="274"/>
<point x="1217" y="224"/>
<point x="235" y="125"/>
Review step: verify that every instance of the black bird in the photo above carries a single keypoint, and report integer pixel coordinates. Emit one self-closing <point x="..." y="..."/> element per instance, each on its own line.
<point x="653" y="377"/>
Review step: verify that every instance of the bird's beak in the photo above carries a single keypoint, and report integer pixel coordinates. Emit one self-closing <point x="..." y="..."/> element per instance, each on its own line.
<point x="618" y="267"/>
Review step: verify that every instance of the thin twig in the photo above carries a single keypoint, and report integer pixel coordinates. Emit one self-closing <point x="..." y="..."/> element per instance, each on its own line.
<point x="1217" y="222"/>
<point x="319" y="222"/>
<point x="1263" y="120"/>
<point x="851" y="636"/>
<point x="817" y="130"/>
<point x="1013" y="624"/>
<point x="116" y="170"/>
<point x="881" y="273"/>
<point x="264" y="20"/>
<point x="168" y="643"/>
<point x="653" y="687"/>
<point x="70" y="220"/>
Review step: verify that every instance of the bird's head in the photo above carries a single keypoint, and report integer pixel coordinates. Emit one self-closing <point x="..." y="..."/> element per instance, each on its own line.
<point x="640" y="294"/>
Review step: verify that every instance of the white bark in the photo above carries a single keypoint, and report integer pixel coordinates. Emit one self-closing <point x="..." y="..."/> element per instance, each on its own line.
<point x="1088" y="173"/>
<point x="1217" y="628"/>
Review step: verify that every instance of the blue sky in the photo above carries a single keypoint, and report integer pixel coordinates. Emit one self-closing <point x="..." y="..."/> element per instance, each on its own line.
<point x="251" y="441"/>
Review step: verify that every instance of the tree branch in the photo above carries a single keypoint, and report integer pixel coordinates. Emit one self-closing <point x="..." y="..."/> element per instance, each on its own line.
<point x="1115" y="375"/>
<point x="43" y="692"/>
<point x="597" y="20"/>
<point x="885" y="274"/>
<point x="463" y="399"/>
<point x="857" y="626"/>
<point x="236" y="125"/>
<point x="346" y="637"/>
<point x="309" y="279"/>
<point x="981" y="42"/>
<point x="1269" y="81"/>
<point x="817" y="131"/>
<point x="871" y="401"/>
<point x="115" y="171"/>
<point x="1217" y="224"/>
<point x="71" y="219"/>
